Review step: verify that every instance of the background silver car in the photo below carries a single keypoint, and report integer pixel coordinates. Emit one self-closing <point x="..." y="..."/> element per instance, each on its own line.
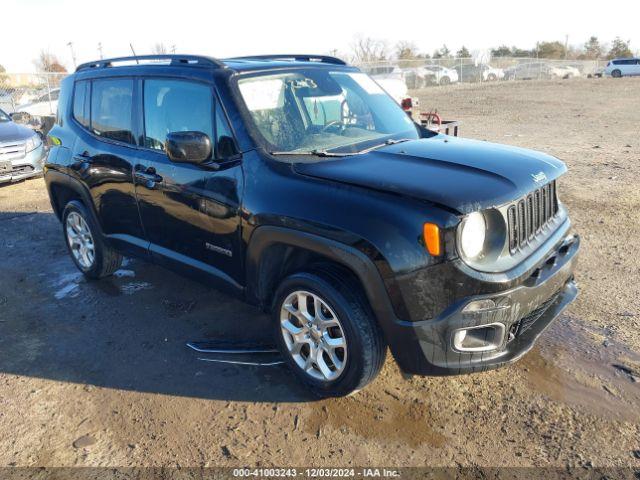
<point x="22" y="151"/>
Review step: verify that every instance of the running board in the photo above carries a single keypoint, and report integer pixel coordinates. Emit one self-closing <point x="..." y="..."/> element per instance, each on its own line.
<point x="245" y="354"/>
<point x="219" y="347"/>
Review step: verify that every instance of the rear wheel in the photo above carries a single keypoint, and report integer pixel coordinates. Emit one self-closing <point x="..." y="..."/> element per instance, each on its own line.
<point x="616" y="73"/>
<point x="445" y="81"/>
<point x="89" y="252"/>
<point x="327" y="334"/>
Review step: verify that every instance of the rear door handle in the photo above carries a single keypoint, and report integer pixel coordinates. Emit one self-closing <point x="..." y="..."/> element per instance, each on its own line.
<point x="146" y="176"/>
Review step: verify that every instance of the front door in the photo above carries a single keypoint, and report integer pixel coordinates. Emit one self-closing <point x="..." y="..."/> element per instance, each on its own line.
<point x="190" y="213"/>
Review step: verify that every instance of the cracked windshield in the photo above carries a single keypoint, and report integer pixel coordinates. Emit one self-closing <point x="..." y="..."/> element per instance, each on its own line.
<point x="317" y="111"/>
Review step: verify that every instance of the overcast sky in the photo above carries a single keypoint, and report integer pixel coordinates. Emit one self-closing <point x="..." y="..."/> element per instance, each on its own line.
<point x="241" y="27"/>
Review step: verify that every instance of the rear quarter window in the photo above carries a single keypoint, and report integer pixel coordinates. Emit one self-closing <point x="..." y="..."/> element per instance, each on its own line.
<point x="81" y="97"/>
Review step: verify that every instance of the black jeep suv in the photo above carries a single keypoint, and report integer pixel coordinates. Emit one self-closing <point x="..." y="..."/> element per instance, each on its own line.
<point x="296" y="183"/>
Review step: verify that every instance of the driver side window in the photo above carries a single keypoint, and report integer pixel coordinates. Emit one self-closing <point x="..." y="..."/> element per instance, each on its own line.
<point x="176" y="106"/>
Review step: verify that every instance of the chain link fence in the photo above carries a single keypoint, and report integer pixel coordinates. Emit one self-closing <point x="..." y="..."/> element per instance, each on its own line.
<point x="33" y="93"/>
<point x="420" y="73"/>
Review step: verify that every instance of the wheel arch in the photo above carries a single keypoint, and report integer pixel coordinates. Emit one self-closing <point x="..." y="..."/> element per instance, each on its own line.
<point x="63" y="189"/>
<point x="274" y="252"/>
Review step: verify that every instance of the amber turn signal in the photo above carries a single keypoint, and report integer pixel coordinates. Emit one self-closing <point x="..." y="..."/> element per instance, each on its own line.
<point x="432" y="239"/>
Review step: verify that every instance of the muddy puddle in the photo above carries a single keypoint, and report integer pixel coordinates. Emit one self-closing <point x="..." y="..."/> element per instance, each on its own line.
<point x="393" y="420"/>
<point x="578" y="364"/>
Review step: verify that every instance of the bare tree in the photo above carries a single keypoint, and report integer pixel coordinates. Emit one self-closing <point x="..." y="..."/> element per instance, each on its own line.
<point x="48" y="62"/>
<point x="3" y="75"/>
<point x="620" y="48"/>
<point x="368" y="50"/>
<point x="159" y="48"/>
<point x="592" y="49"/>
<point x="406" y="50"/>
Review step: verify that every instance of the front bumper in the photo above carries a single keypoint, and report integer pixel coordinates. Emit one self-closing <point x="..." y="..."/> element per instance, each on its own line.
<point x="521" y="313"/>
<point x="31" y="165"/>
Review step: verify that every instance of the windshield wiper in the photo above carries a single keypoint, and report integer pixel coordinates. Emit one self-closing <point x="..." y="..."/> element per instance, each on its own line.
<point x="385" y="144"/>
<point x="326" y="153"/>
<point x="315" y="153"/>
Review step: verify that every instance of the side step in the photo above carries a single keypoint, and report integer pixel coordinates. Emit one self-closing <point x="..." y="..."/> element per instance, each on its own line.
<point x="251" y="354"/>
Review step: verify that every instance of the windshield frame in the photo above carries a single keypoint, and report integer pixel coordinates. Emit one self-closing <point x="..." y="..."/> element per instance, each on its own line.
<point x="273" y="150"/>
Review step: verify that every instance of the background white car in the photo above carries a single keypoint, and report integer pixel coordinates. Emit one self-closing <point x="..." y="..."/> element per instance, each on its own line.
<point x="391" y="79"/>
<point x="491" y="74"/>
<point x="565" y="71"/>
<point x="442" y="75"/>
<point x="623" y="67"/>
<point x="44" y="105"/>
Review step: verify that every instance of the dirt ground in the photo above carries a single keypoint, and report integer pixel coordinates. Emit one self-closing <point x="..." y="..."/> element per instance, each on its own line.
<point x="98" y="374"/>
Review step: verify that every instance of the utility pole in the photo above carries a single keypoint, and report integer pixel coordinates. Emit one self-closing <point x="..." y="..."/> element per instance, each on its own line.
<point x="100" y="49"/>
<point x="566" y="46"/>
<point x="73" y="55"/>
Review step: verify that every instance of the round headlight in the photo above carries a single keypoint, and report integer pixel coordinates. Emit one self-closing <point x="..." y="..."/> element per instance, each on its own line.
<point x="472" y="234"/>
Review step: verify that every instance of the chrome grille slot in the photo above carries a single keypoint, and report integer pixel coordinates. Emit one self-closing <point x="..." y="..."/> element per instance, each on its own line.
<point x="513" y="228"/>
<point x="12" y="151"/>
<point x="531" y="229"/>
<point x="522" y="223"/>
<point x="529" y="215"/>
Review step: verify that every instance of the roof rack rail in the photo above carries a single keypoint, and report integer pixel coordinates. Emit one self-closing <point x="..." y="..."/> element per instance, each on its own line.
<point x="297" y="57"/>
<point x="185" y="60"/>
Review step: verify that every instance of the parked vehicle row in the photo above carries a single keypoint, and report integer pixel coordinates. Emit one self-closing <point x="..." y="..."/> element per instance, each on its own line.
<point x="397" y="79"/>
<point x="21" y="151"/>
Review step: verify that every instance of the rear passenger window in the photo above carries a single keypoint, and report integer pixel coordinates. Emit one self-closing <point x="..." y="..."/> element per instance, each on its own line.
<point x="111" y="102"/>
<point x="176" y="106"/>
<point x="81" y="103"/>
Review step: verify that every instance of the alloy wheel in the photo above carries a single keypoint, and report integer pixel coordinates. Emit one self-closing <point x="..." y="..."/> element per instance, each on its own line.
<point x="313" y="335"/>
<point x="80" y="240"/>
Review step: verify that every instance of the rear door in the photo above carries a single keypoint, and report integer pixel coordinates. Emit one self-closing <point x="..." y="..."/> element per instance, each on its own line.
<point x="103" y="113"/>
<point x="190" y="213"/>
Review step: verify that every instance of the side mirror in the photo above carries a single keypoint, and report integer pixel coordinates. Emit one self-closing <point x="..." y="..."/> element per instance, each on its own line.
<point x="188" y="147"/>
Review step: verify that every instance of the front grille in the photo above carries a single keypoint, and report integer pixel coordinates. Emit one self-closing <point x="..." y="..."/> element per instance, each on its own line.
<point x="22" y="169"/>
<point x="16" y="171"/>
<point x="531" y="214"/>
<point x="12" y="151"/>
<point x="527" y="321"/>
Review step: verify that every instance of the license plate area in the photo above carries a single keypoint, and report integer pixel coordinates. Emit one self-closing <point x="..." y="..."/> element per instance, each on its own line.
<point x="5" y="168"/>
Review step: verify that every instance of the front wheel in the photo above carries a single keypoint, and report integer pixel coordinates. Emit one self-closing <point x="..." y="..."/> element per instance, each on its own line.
<point x="445" y="81"/>
<point x="326" y="333"/>
<point x="616" y="73"/>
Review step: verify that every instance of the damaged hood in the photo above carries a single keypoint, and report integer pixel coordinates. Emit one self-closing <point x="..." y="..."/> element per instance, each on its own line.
<point x="463" y="175"/>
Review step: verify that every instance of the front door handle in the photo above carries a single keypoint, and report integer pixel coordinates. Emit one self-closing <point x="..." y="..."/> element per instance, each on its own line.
<point x="146" y="176"/>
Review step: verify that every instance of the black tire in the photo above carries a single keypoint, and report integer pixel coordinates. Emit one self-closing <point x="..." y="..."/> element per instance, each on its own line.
<point x="106" y="259"/>
<point x="616" y="73"/>
<point x="364" y="339"/>
<point x="491" y="77"/>
<point x="445" y="81"/>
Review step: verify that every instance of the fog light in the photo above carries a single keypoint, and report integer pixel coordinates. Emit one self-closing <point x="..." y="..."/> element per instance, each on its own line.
<point x="479" y="339"/>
